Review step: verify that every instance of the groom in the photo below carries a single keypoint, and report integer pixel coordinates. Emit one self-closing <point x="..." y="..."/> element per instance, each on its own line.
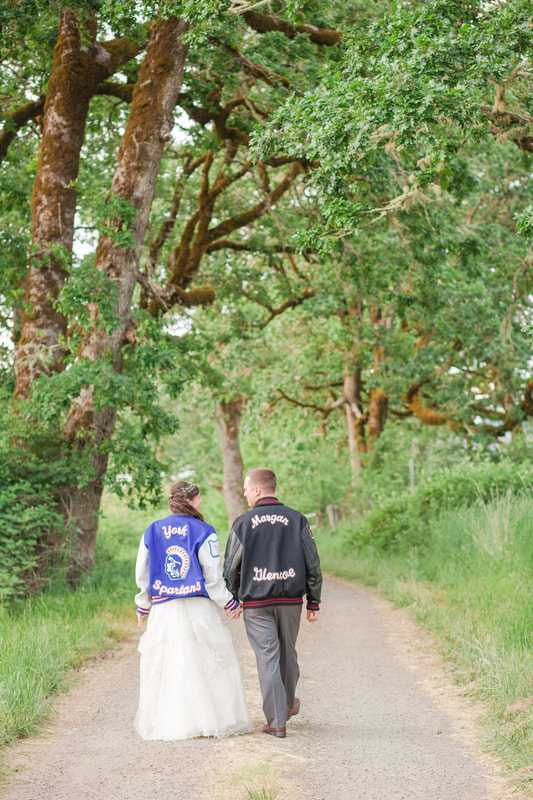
<point x="271" y="561"/>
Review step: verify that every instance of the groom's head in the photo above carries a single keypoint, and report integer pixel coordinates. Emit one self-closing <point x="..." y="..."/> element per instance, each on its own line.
<point x="259" y="482"/>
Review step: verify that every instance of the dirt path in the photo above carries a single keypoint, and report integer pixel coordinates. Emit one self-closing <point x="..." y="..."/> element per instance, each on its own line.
<point x="379" y="721"/>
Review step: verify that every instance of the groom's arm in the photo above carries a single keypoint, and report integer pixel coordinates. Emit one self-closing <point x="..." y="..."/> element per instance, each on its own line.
<point x="232" y="563"/>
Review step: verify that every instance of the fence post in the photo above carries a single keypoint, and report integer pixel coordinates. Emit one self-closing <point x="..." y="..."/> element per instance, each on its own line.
<point x="412" y="475"/>
<point x="333" y="515"/>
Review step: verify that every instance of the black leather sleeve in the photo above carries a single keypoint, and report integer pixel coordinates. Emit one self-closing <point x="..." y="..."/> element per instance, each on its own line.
<point x="232" y="563"/>
<point x="313" y="578"/>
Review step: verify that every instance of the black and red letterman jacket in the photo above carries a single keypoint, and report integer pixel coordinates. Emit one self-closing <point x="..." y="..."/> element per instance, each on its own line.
<point x="271" y="557"/>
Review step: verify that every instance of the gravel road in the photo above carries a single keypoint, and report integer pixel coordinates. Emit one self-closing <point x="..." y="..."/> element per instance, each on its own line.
<point x="379" y="720"/>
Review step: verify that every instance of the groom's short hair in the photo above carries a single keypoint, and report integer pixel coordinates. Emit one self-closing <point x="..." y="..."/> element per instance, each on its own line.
<point x="263" y="477"/>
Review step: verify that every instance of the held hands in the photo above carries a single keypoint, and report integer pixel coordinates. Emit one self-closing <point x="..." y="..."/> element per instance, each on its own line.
<point x="235" y="613"/>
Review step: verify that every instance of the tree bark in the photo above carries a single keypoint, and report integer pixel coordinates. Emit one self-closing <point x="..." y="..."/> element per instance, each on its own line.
<point x="76" y="73"/>
<point x="228" y="415"/>
<point x="378" y="403"/>
<point x="378" y="407"/>
<point x="149" y="126"/>
<point x="354" y="418"/>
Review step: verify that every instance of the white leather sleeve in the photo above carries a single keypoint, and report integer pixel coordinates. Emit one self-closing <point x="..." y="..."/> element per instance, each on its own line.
<point x="142" y="577"/>
<point x="209" y="557"/>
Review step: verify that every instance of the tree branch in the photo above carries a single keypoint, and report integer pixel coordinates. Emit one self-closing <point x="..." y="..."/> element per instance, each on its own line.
<point x="265" y="23"/>
<point x="426" y="415"/>
<point x="123" y="91"/>
<point x="17" y="120"/>
<point x="324" y="410"/>
<point x="297" y="301"/>
<point x="168" y="224"/>
<point x="511" y="127"/>
<point x="229" y="244"/>
<point x="162" y="300"/>
<point x="527" y="404"/>
<point x="218" y="115"/>
<point x="255" y="70"/>
<point x="111" y="55"/>
<point x="240" y="220"/>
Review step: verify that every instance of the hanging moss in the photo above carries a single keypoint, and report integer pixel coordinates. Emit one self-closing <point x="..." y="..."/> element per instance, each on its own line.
<point x="199" y="296"/>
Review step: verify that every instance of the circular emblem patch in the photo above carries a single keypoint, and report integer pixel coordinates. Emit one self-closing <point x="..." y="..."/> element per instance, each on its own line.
<point x="177" y="563"/>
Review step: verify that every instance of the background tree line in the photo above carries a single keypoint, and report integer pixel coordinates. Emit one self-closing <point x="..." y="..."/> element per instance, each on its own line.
<point x="310" y="221"/>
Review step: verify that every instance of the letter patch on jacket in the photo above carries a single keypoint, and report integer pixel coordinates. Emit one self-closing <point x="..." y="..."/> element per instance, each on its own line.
<point x="214" y="548"/>
<point x="177" y="563"/>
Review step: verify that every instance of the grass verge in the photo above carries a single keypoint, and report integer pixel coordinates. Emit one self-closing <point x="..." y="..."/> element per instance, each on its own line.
<point x="470" y="585"/>
<point x="43" y="639"/>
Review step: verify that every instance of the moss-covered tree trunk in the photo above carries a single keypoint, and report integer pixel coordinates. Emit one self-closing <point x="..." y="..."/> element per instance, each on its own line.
<point x="76" y="72"/>
<point x="378" y="401"/>
<point x="354" y="418"/>
<point x="90" y="424"/>
<point x="228" y="415"/>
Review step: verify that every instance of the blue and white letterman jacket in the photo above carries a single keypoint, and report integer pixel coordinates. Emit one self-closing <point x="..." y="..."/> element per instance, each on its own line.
<point x="179" y="557"/>
<point x="271" y="557"/>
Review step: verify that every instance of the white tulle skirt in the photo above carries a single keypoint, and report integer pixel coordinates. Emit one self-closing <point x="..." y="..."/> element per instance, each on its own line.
<point x="190" y="678"/>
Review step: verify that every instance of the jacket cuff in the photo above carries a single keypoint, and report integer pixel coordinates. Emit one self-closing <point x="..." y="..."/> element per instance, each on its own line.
<point x="311" y="606"/>
<point x="143" y="612"/>
<point x="232" y="605"/>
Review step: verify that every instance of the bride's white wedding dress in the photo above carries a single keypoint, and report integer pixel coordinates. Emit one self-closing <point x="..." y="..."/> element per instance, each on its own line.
<point x="190" y="678"/>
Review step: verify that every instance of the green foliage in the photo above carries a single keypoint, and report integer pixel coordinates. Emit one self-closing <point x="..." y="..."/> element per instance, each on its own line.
<point x="86" y="290"/>
<point x="524" y="222"/>
<point x="115" y="216"/>
<point x="19" y="18"/>
<point x="33" y="536"/>
<point x="398" y="110"/>
<point x="403" y="522"/>
<point x="37" y="466"/>
<point x="53" y="632"/>
<point x="129" y="15"/>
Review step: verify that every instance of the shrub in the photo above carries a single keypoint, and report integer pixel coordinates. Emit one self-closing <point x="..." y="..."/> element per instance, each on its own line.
<point x="403" y="521"/>
<point x="32" y="528"/>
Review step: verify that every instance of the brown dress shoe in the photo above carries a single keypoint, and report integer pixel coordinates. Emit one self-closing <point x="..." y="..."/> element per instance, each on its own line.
<point x="294" y="710"/>
<point x="280" y="732"/>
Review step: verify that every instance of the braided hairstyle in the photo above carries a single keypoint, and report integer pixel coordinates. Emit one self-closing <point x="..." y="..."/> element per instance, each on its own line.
<point x="179" y="501"/>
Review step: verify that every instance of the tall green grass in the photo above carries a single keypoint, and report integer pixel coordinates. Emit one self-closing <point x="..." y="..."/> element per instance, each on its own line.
<point x="470" y="583"/>
<point x="44" y="638"/>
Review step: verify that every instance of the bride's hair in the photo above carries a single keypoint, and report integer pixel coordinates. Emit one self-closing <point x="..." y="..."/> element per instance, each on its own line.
<point x="181" y="494"/>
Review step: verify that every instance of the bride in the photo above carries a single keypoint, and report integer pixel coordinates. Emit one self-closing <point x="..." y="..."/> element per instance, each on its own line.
<point x="190" y="680"/>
